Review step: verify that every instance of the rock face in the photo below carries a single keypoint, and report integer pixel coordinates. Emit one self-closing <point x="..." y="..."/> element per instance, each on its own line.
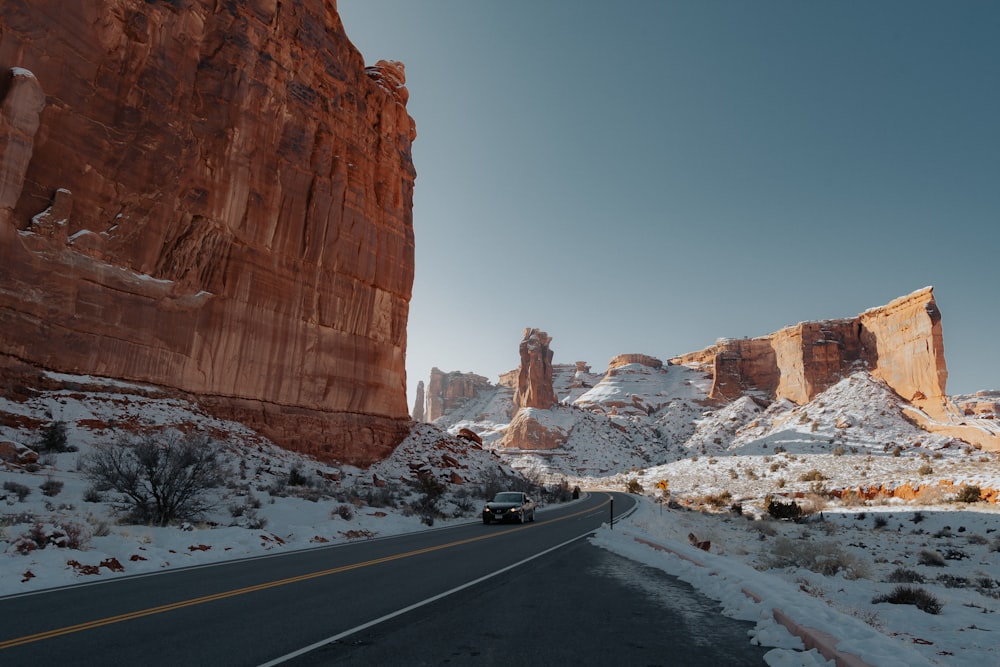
<point x="534" y="378"/>
<point x="900" y="343"/>
<point x="418" y="403"/>
<point x="448" y="391"/>
<point x="215" y="198"/>
<point x="627" y="359"/>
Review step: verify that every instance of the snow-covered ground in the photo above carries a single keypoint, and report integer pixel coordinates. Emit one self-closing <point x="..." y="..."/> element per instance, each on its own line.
<point x="843" y="458"/>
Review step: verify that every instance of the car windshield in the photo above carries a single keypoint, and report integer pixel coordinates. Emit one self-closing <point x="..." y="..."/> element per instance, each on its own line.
<point x="510" y="497"/>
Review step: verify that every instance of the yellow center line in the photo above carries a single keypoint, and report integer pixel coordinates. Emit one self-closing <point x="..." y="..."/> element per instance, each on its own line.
<point x="90" y="625"/>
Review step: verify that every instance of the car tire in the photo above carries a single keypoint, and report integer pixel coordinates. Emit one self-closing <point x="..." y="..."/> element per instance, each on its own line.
<point x="532" y="517"/>
<point x="486" y="521"/>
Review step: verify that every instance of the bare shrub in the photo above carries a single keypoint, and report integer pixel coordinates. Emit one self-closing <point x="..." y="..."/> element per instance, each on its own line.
<point x="813" y="475"/>
<point x="19" y="490"/>
<point x="161" y="477"/>
<point x="969" y="493"/>
<point x="296" y="477"/>
<point x="718" y="500"/>
<point x="918" y="597"/>
<point x="51" y="487"/>
<point x="344" y="511"/>
<point x="928" y="557"/>
<point x="634" y="486"/>
<point x="826" y="558"/>
<point x="901" y="575"/>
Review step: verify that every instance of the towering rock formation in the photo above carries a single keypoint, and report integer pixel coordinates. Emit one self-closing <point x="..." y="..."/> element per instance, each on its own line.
<point x="214" y="198"/>
<point x="418" y="403"/>
<point x="534" y="397"/>
<point x="534" y="378"/>
<point x="900" y="343"/>
<point x="448" y="391"/>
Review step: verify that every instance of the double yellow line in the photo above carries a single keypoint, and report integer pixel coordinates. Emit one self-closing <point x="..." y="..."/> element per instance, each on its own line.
<point x="90" y="625"/>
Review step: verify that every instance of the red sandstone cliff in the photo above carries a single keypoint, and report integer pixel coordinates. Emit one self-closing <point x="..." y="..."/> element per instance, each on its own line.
<point x="447" y="392"/>
<point x="211" y="197"/>
<point x="900" y="343"/>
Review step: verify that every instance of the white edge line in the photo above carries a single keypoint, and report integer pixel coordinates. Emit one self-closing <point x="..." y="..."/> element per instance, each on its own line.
<point x="416" y="605"/>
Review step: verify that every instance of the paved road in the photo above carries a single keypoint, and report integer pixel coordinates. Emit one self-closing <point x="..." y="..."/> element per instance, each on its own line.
<point x="260" y="610"/>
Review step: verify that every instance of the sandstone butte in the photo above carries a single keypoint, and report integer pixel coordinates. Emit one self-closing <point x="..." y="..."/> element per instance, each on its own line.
<point x="900" y="343"/>
<point x="448" y="391"/>
<point x="213" y="198"/>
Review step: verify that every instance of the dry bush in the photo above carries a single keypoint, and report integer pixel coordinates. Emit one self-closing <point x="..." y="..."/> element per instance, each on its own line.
<point x="933" y="558"/>
<point x="814" y="503"/>
<point x="918" y="597"/>
<point x="717" y="500"/>
<point x="826" y="558"/>
<point x="162" y="477"/>
<point x="813" y="475"/>
<point x="969" y="494"/>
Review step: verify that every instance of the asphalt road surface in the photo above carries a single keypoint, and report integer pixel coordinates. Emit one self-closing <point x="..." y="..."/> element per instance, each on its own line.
<point x="470" y="594"/>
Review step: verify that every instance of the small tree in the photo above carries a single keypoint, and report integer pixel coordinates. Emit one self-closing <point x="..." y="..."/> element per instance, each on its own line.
<point x="161" y="477"/>
<point x="53" y="438"/>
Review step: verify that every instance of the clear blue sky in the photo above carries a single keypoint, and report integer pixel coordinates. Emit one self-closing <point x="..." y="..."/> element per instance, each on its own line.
<point x="649" y="175"/>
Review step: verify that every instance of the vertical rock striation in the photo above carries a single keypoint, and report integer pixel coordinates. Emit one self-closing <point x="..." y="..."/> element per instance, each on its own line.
<point x="534" y="378"/>
<point x="447" y="392"/>
<point x="215" y="198"/>
<point x="900" y="343"/>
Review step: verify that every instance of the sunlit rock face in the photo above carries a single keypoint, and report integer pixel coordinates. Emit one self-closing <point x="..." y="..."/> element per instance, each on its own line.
<point x="446" y="392"/>
<point x="215" y="198"/>
<point x="900" y="343"/>
<point x="534" y="378"/>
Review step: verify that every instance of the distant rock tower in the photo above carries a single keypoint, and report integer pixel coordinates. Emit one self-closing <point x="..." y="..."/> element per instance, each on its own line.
<point x="418" y="404"/>
<point x="534" y="379"/>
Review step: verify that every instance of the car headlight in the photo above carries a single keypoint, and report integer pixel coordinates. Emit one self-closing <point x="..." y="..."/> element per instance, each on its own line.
<point x="515" y="510"/>
<point x="486" y="509"/>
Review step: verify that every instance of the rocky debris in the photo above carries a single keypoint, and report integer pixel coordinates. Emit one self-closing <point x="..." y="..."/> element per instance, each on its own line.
<point x="470" y="435"/>
<point x="250" y="243"/>
<point x="533" y="429"/>
<point x="15" y="452"/>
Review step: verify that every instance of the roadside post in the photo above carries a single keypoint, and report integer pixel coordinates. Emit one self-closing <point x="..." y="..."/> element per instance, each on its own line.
<point x="612" y="512"/>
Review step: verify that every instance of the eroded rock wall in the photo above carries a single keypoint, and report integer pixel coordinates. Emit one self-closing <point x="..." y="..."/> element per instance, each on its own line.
<point x="900" y="343"/>
<point x="447" y="392"/>
<point x="225" y="195"/>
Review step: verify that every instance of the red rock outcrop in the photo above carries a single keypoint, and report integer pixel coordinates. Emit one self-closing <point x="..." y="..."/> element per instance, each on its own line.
<point x="212" y="197"/>
<point x="531" y="429"/>
<point x="418" y="403"/>
<point x="900" y="343"/>
<point x="534" y="378"/>
<point x="627" y="359"/>
<point x="448" y="391"/>
<point x="908" y="491"/>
